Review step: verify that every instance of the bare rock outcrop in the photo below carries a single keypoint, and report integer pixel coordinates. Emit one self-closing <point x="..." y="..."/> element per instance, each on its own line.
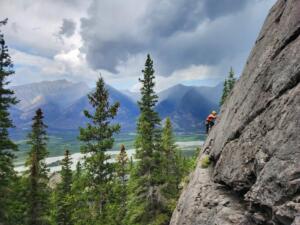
<point x="255" y="146"/>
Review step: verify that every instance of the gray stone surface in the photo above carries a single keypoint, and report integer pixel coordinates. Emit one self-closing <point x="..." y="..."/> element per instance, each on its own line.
<point x="255" y="145"/>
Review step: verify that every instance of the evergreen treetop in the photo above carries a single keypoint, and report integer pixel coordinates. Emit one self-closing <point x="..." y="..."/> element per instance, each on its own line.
<point x="172" y="166"/>
<point x="38" y="191"/>
<point x="97" y="138"/>
<point x="98" y="133"/>
<point x="231" y="80"/>
<point x="224" y="93"/>
<point x="228" y="86"/>
<point x="149" y="121"/>
<point x="122" y="161"/>
<point x="37" y="139"/>
<point x="64" y="203"/>
<point x="145" y="205"/>
<point x="168" y="141"/>
<point x="66" y="172"/>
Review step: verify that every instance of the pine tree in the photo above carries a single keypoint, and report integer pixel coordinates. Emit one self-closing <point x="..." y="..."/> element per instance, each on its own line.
<point x="171" y="154"/>
<point x="17" y="202"/>
<point x="121" y="186"/>
<point x="38" y="191"/>
<point x="119" y="191"/>
<point x="172" y="171"/>
<point x="78" y="169"/>
<point x="122" y="173"/>
<point x="228" y="86"/>
<point x="168" y="145"/>
<point x="225" y="92"/>
<point x="145" y="206"/>
<point x="231" y="80"/>
<point x="64" y="204"/>
<point x="7" y="146"/>
<point x="98" y="138"/>
<point x="81" y="214"/>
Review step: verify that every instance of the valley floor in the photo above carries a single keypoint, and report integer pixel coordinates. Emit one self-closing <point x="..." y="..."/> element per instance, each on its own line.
<point x="58" y="142"/>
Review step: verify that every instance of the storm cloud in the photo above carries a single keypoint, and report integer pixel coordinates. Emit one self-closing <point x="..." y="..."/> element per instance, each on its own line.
<point x="193" y="42"/>
<point x="68" y="28"/>
<point x="177" y="33"/>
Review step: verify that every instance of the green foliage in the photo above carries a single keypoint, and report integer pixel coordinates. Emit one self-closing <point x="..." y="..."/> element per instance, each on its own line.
<point x="169" y="149"/>
<point x="205" y="161"/>
<point x="126" y="192"/>
<point x="98" y="138"/>
<point x="188" y="165"/>
<point x="64" y="197"/>
<point x="80" y="198"/>
<point x="117" y="208"/>
<point x="231" y="80"/>
<point x="228" y="86"/>
<point x="146" y="203"/>
<point x="121" y="181"/>
<point x="37" y="183"/>
<point x="17" y="204"/>
<point x="225" y="92"/>
<point x="7" y="146"/>
<point x="172" y="168"/>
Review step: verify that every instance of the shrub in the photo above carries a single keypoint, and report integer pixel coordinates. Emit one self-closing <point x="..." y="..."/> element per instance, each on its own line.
<point x="205" y="161"/>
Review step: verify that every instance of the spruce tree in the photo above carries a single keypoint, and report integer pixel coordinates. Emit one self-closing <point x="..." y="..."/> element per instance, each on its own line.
<point x="81" y="214"/>
<point x="7" y="146"/>
<point x="231" y="80"/>
<point x="119" y="190"/>
<point x="171" y="154"/>
<point x="98" y="138"/>
<point x="168" y="146"/>
<point x="122" y="173"/>
<point x="78" y="169"/>
<point x="37" y="189"/>
<point x="121" y="186"/>
<point x="64" y="197"/>
<point x="228" y="86"/>
<point x="172" y="166"/>
<point x="225" y="93"/>
<point x="145" y="205"/>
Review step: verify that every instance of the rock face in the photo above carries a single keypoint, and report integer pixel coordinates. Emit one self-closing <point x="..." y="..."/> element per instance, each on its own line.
<point x="255" y="146"/>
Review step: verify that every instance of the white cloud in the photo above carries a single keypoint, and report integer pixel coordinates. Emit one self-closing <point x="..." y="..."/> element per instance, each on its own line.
<point x="37" y="49"/>
<point x="33" y="26"/>
<point x="70" y="65"/>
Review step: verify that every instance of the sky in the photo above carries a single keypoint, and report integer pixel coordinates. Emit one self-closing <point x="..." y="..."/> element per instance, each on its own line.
<point x="192" y="42"/>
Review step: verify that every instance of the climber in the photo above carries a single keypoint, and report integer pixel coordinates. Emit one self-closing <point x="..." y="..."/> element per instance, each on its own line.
<point x="210" y="121"/>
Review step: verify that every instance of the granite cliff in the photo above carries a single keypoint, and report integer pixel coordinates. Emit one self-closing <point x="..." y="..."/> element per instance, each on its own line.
<point x="254" y="177"/>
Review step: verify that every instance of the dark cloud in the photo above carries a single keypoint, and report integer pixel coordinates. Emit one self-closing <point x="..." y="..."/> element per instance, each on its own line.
<point x="68" y="28"/>
<point x="168" y="17"/>
<point x="178" y="33"/>
<point x="216" y="8"/>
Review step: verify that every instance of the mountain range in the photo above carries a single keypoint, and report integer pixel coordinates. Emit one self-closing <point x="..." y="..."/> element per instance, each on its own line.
<point x="63" y="103"/>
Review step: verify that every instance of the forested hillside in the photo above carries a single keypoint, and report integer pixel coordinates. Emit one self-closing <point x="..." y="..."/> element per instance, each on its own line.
<point x="128" y="190"/>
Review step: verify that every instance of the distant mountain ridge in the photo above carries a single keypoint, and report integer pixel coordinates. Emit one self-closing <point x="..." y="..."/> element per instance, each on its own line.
<point x="188" y="106"/>
<point x="50" y="91"/>
<point x="51" y="96"/>
<point x="73" y="117"/>
<point x="63" y="103"/>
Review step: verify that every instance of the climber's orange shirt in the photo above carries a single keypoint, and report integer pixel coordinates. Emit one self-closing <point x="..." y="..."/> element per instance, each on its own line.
<point x="211" y="117"/>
